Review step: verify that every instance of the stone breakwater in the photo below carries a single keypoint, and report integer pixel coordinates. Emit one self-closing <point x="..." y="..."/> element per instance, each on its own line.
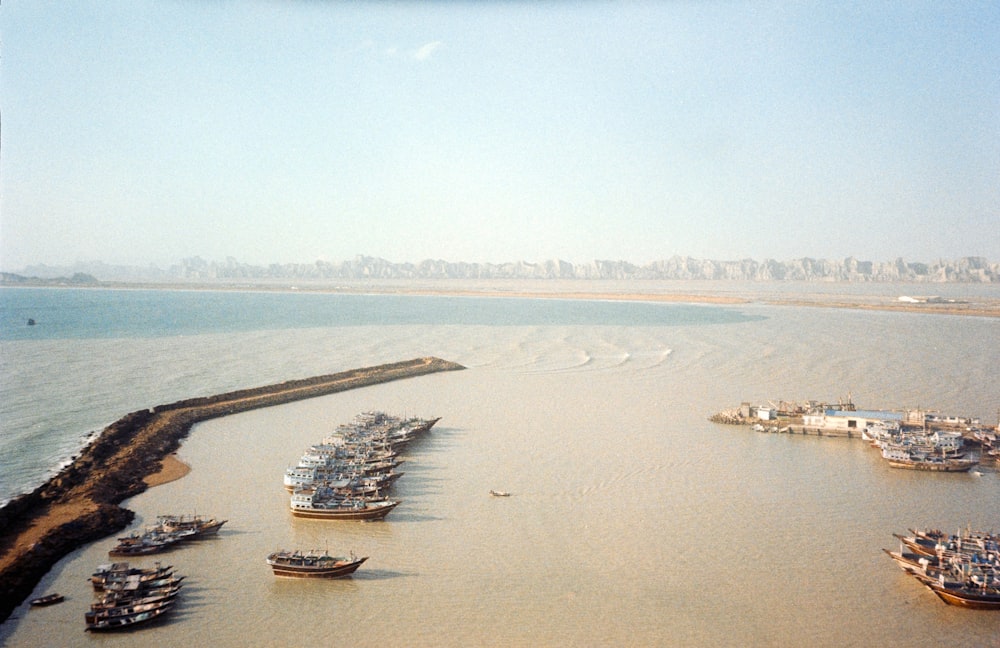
<point x="80" y="504"/>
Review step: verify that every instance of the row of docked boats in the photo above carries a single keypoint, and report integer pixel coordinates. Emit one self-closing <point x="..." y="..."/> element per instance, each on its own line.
<point x="168" y="531"/>
<point x="348" y="475"/>
<point x="936" y="451"/>
<point x="962" y="569"/>
<point x="131" y="596"/>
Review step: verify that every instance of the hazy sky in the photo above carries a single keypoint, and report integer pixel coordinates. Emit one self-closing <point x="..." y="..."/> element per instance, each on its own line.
<point x="290" y="131"/>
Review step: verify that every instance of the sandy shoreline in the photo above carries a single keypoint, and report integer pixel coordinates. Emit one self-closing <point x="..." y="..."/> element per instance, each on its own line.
<point x="172" y="469"/>
<point x="80" y="504"/>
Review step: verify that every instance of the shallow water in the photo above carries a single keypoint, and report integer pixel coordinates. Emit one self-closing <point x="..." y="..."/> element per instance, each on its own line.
<point x="633" y="520"/>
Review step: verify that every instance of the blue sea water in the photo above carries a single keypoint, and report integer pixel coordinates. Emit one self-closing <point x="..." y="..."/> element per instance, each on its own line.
<point x="93" y="355"/>
<point x="94" y="313"/>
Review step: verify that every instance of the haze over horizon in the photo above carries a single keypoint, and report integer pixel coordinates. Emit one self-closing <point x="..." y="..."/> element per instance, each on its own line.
<point x="290" y="132"/>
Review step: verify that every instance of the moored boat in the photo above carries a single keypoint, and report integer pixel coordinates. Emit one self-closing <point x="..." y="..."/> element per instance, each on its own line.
<point x="306" y="504"/>
<point x="966" y="594"/>
<point x="125" y="621"/>
<point x="296" y="564"/>
<point x="194" y="525"/>
<point x="120" y="572"/>
<point x="906" y="458"/>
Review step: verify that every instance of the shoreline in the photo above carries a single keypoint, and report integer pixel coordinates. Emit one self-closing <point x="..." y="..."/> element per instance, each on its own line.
<point x="172" y="469"/>
<point x="81" y="503"/>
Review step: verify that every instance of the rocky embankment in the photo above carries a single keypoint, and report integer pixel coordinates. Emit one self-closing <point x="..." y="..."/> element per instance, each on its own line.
<point x="80" y="504"/>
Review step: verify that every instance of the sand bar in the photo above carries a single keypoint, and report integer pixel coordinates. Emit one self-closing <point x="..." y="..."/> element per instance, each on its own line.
<point x="80" y="504"/>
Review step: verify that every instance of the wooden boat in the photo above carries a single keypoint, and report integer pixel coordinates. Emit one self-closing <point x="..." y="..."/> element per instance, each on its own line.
<point x="306" y="504"/>
<point x="129" y="609"/>
<point x="125" y="621"/>
<point x="967" y="594"/>
<point x="120" y="572"/>
<point x="137" y="587"/>
<point x="903" y="457"/>
<point x="48" y="599"/>
<point x="116" y="598"/>
<point x="499" y="493"/>
<point x="312" y="565"/>
<point x="148" y="542"/>
<point x="195" y="525"/>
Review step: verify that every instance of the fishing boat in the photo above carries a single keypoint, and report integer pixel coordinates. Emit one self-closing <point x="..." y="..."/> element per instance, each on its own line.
<point x="967" y="594"/>
<point x="296" y="564"/>
<point x="120" y="572"/>
<point x="148" y="542"/>
<point x="104" y="622"/>
<point x="307" y="503"/>
<point x="907" y="458"/>
<point x="48" y="599"/>
<point x="193" y="526"/>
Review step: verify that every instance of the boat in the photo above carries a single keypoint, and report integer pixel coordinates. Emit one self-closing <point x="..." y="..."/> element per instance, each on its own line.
<point x="148" y="542"/>
<point x="120" y="572"/>
<point x="101" y="623"/>
<point x="967" y="594"/>
<point x="499" y="493"/>
<point x="296" y="564"/>
<point x="194" y="525"/>
<point x="138" y="594"/>
<point x="961" y="569"/>
<point x="307" y="503"/>
<point x="48" y="599"/>
<point x="903" y="457"/>
<point x="133" y="596"/>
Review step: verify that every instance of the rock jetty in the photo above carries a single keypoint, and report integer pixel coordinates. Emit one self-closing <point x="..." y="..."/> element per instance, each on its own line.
<point x="80" y="504"/>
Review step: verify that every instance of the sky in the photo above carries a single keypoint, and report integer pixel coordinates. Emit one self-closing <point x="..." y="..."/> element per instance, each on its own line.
<point x="291" y="131"/>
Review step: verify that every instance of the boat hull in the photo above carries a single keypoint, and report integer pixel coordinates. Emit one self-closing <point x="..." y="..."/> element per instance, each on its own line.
<point x="366" y="513"/>
<point x="966" y="598"/>
<point x="337" y="570"/>
<point x="957" y="465"/>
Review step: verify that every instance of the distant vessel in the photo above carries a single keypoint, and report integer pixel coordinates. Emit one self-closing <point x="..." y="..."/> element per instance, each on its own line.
<point x="313" y="565"/>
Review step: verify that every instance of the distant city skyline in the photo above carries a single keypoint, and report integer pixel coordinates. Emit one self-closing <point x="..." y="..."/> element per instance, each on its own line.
<point x="300" y="131"/>
<point x="963" y="270"/>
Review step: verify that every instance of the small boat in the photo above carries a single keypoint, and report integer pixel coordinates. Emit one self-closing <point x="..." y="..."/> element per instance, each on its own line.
<point x="313" y="565"/>
<point x="48" y="599"/>
<point x="499" y="493"/>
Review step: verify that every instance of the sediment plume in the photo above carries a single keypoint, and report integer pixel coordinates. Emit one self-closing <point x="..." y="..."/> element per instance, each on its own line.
<point x="80" y="504"/>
